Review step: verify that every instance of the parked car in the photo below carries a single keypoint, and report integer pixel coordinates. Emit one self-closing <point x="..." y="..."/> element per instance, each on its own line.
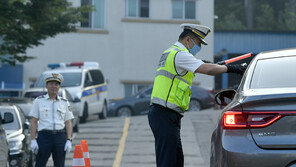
<point x="4" y="147"/>
<point x="139" y="103"/>
<point x="18" y="136"/>
<point x="257" y="125"/>
<point x="24" y="103"/>
<point x="35" y="92"/>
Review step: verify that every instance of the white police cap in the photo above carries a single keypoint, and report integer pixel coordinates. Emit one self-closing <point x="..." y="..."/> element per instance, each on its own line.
<point x="200" y="31"/>
<point x="53" y="77"/>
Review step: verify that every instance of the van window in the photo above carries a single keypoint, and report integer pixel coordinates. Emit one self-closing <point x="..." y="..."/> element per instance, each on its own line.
<point x="70" y="79"/>
<point x="97" y="77"/>
<point x="88" y="80"/>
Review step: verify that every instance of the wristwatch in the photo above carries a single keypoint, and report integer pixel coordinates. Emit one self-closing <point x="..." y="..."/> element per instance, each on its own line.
<point x="70" y="139"/>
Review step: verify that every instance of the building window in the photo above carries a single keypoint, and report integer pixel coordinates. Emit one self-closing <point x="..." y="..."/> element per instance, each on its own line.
<point x="137" y="8"/>
<point x="96" y="18"/>
<point x="184" y="9"/>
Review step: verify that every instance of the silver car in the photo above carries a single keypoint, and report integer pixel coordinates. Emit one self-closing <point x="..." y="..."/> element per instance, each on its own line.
<point x="257" y="127"/>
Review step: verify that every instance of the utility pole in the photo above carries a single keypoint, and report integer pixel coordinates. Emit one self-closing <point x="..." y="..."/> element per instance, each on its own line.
<point x="249" y="13"/>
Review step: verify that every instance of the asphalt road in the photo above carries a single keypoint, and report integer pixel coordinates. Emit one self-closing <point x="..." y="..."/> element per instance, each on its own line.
<point x="128" y="142"/>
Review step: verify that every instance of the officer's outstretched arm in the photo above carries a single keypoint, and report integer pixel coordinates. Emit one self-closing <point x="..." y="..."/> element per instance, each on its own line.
<point x="211" y="69"/>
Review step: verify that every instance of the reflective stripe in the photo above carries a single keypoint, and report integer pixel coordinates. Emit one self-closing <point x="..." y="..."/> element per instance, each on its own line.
<point x="86" y="154"/>
<point x="163" y="59"/>
<point x="172" y="106"/>
<point x="78" y="162"/>
<point x="170" y="75"/>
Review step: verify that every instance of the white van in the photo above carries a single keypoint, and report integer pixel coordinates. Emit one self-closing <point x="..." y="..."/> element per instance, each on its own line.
<point x="86" y="84"/>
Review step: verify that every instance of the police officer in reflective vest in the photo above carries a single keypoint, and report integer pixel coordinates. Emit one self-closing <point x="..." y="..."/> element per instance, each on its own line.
<point x="171" y="91"/>
<point x="54" y="127"/>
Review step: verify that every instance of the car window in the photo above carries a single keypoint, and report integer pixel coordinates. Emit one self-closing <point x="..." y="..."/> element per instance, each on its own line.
<point x="13" y="125"/>
<point x="22" y="116"/>
<point x="34" y="94"/>
<point x="274" y="73"/>
<point x="97" y="77"/>
<point x="88" y="80"/>
<point x="148" y="91"/>
<point x="70" y="79"/>
<point x="68" y="96"/>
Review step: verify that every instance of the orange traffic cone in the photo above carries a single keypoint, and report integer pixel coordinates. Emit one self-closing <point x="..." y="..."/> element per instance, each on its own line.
<point x="78" y="160"/>
<point x="85" y="153"/>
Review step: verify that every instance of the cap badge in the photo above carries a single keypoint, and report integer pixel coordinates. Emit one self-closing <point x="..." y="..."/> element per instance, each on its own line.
<point x="55" y="75"/>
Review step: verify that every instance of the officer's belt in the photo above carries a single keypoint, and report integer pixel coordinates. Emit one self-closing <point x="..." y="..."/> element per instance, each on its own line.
<point x="170" y="75"/>
<point x="53" y="131"/>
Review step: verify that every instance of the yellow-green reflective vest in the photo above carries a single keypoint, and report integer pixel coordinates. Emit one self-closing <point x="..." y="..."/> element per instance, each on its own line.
<point x="170" y="89"/>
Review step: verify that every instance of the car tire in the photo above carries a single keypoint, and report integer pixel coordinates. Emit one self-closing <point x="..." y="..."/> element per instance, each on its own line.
<point x="84" y="114"/>
<point x="124" y="112"/>
<point x="76" y="127"/>
<point x="194" y="105"/>
<point x="103" y="114"/>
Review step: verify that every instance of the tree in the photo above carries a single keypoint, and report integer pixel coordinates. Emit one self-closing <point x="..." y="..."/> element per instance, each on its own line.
<point x="230" y="15"/>
<point x="230" y="22"/>
<point x="287" y="18"/>
<point x="266" y="20"/>
<point x="25" y="23"/>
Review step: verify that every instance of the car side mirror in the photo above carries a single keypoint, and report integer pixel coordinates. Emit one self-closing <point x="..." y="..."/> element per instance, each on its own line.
<point x="225" y="97"/>
<point x="76" y="100"/>
<point x="26" y="125"/>
<point x="8" y="118"/>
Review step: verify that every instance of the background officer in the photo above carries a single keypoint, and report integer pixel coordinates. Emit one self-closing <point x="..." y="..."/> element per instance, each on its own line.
<point x="54" y="114"/>
<point x="171" y="91"/>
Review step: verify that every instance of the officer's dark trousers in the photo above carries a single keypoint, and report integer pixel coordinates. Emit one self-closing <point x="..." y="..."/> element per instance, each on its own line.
<point x="51" y="143"/>
<point x="165" y="125"/>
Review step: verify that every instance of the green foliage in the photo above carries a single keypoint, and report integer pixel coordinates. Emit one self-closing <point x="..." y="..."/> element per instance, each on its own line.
<point x="230" y="22"/>
<point x="25" y="23"/>
<point x="268" y="15"/>
<point x="230" y="14"/>
<point x="266" y="20"/>
<point x="287" y="18"/>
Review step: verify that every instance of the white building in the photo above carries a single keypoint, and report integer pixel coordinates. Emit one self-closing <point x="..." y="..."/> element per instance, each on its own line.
<point x="127" y="38"/>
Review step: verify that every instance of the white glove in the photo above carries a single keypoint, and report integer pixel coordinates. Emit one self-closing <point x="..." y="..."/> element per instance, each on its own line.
<point x="34" y="146"/>
<point x="68" y="146"/>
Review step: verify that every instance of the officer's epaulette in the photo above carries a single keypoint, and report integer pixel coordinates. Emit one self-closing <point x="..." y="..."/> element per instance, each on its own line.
<point x="39" y="97"/>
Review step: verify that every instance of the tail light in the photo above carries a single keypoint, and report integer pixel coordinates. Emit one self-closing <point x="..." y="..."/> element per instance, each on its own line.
<point x="237" y="119"/>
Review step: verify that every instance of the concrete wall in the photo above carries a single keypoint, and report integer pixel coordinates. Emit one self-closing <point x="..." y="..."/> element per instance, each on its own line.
<point x="128" y="49"/>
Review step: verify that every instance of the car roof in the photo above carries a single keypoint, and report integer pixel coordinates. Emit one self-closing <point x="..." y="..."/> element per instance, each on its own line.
<point x="15" y="100"/>
<point x="6" y="105"/>
<point x="277" y="53"/>
<point x="64" y="70"/>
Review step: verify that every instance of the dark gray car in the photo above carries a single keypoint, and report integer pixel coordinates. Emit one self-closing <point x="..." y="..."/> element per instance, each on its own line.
<point x="258" y="124"/>
<point x="139" y="103"/>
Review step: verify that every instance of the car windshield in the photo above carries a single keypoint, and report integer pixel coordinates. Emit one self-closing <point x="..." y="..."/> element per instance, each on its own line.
<point x="12" y="125"/>
<point x="274" y="73"/>
<point x="70" y="79"/>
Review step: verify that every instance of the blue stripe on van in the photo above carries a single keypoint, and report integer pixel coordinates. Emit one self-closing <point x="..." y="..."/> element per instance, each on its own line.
<point x="95" y="90"/>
